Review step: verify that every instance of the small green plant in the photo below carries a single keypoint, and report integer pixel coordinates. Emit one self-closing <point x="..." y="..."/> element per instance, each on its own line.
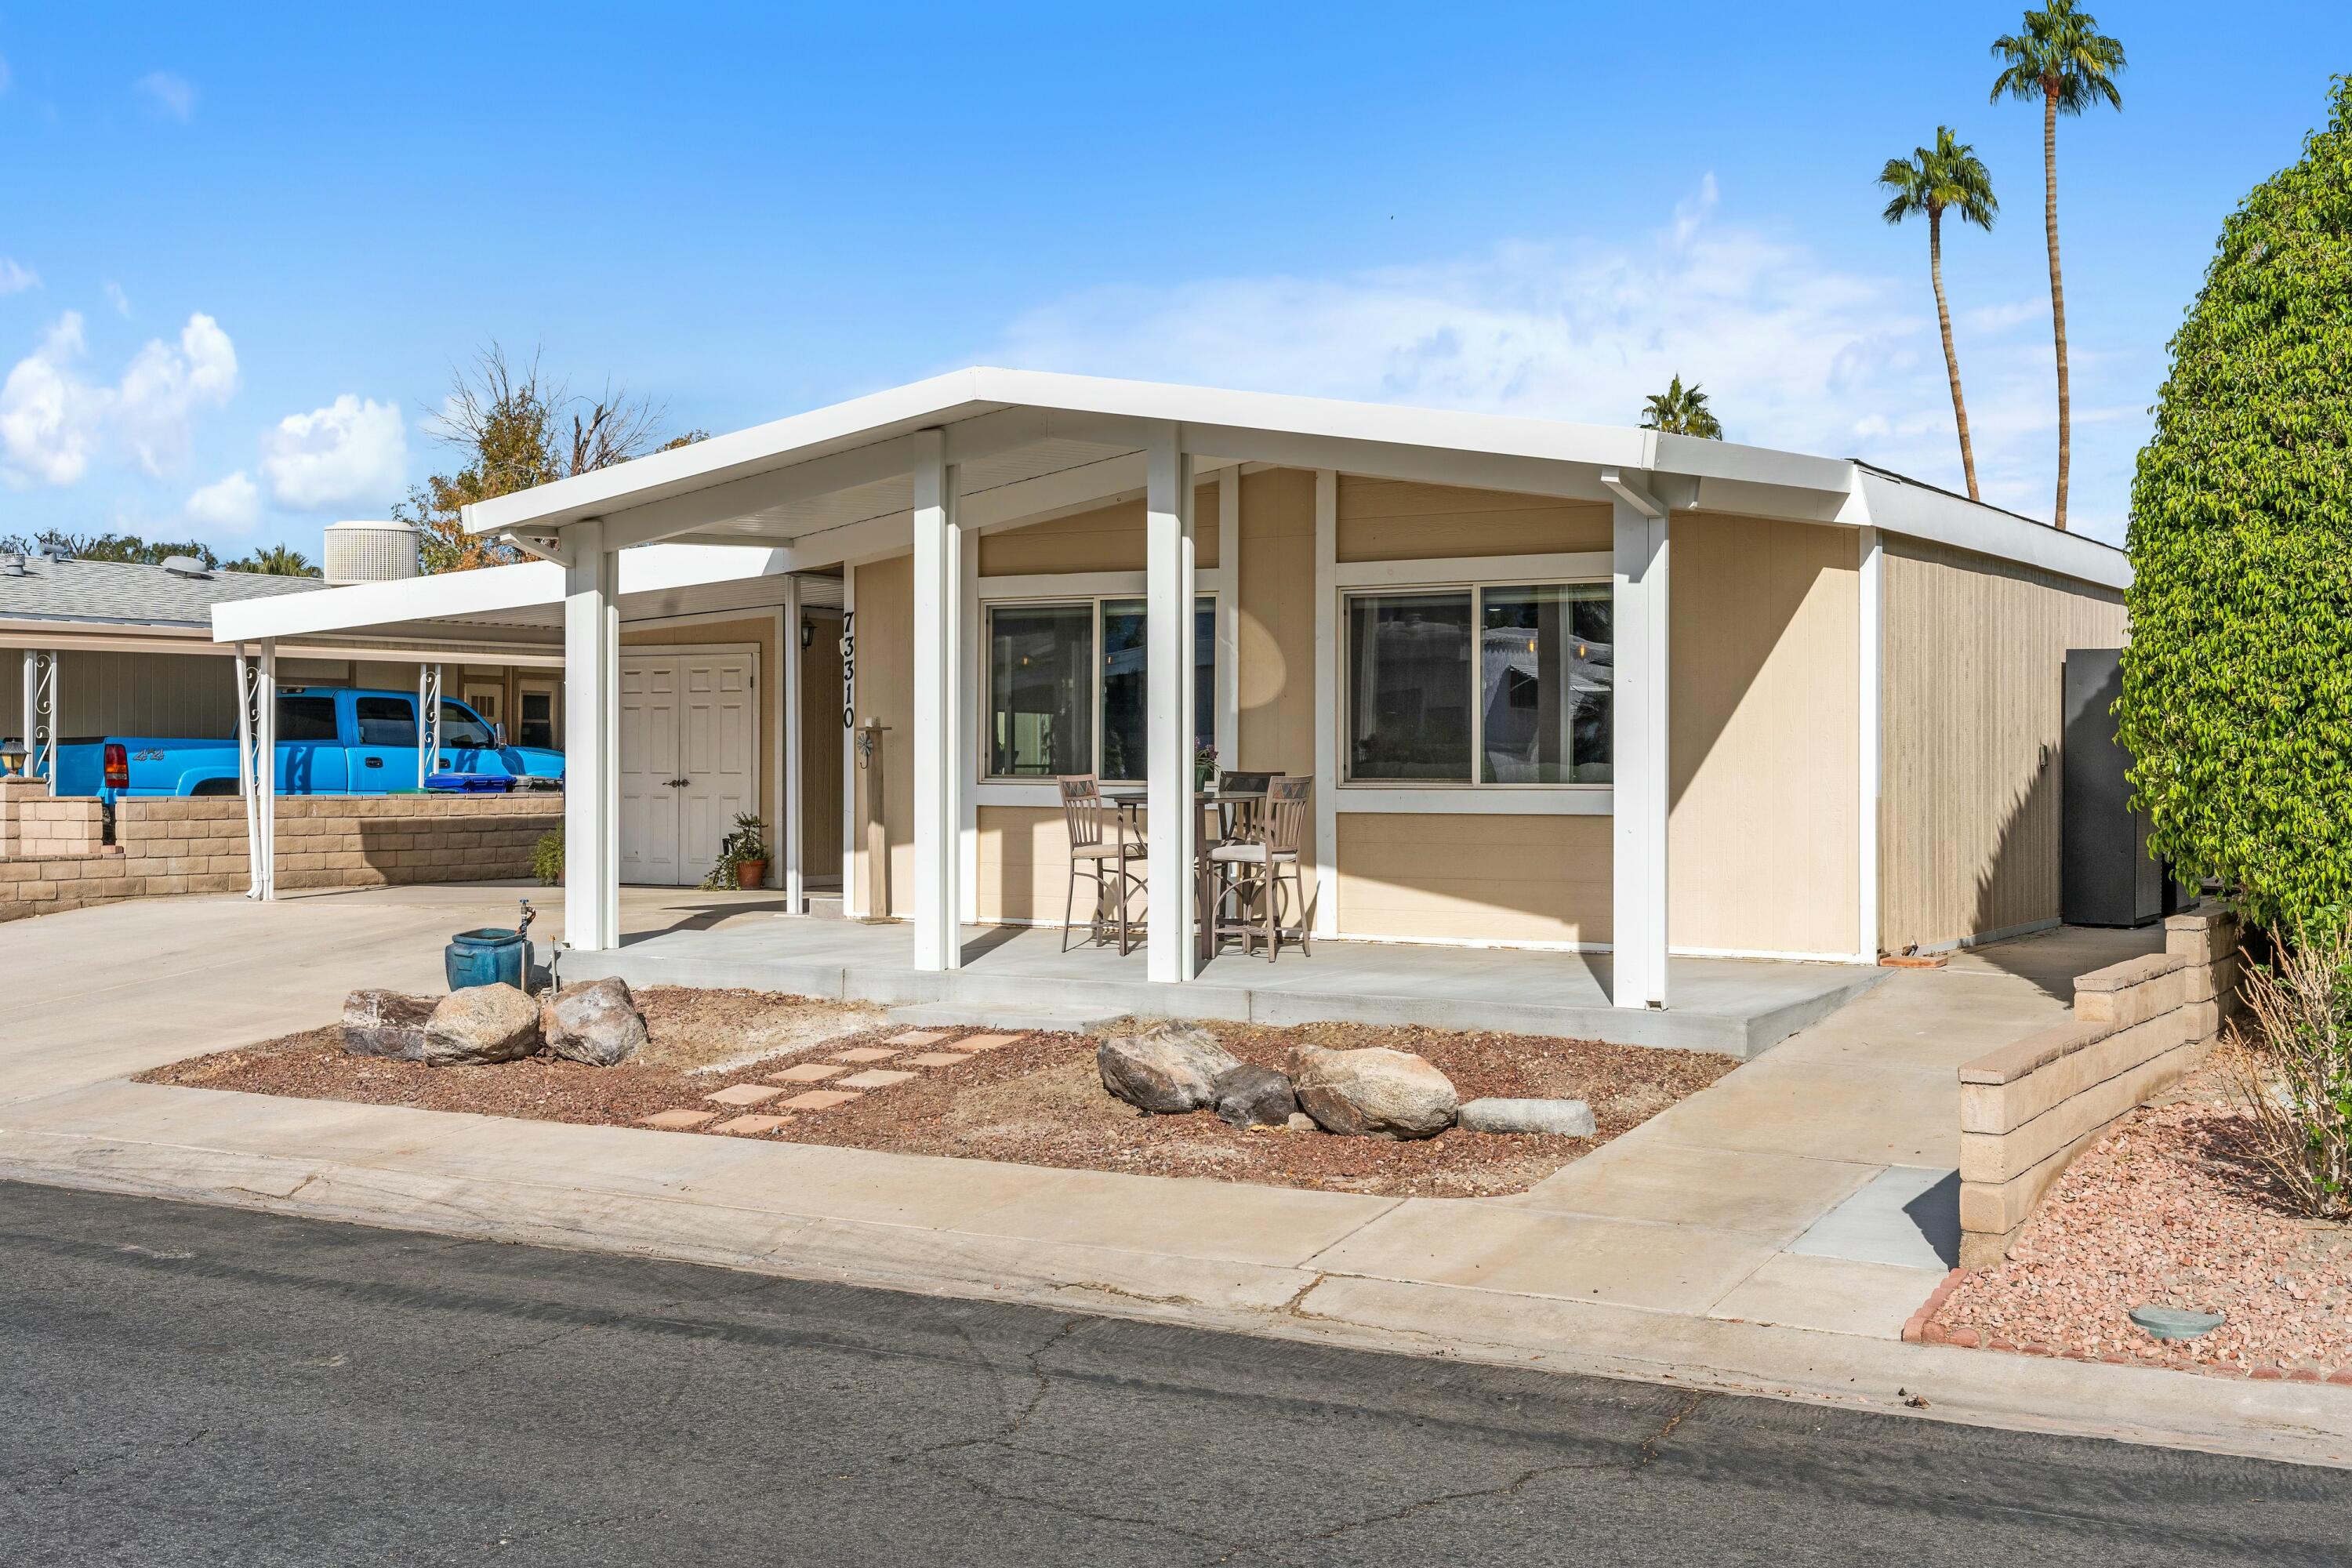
<point x="747" y="845"/>
<point x="547" y="858"/>
<point x="2293" y="1077"/>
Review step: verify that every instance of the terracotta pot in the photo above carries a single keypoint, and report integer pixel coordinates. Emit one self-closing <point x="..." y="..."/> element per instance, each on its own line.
<point x="750" y="873"/>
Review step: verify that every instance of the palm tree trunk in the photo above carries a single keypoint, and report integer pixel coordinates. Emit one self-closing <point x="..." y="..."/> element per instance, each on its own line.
<point x="2057" y="289"/>
<point x="1951" y="358"/>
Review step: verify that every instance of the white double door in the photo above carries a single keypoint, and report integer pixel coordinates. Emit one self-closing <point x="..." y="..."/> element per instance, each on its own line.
<point x="689" y="745"/>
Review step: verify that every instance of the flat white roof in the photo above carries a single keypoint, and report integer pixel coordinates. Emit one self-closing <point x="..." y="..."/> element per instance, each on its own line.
<point x="835" y="484"/>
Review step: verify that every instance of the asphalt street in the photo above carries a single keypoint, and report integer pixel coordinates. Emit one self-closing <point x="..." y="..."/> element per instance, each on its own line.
<point x="192" y="1386"/>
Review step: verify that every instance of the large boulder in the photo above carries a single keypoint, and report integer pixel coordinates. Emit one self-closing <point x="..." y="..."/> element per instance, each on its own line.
<point x="1374" y="1092"/>
<point x="481" y="1024"/>
<point x="1562" y="1118"/>
<point x="1252" y="1096"/>
<point x="387" y="1023"/>
<point x="1168" y="1069"/>
<point x="596" y="1022"/>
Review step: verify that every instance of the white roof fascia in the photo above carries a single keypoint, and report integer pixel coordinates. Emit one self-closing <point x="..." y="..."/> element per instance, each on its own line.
<point x="482" y="592"/>
<point x="1896" y="505"/>
<point x="1244" y="418"/>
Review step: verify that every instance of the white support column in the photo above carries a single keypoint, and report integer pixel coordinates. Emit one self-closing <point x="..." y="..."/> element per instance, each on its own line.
<point x="1168" y="654"/>
<point x="41" y="712"/>
<point x="1328" y="718"/>
<point x="592" y="714"/>
<point x="1229" y="618"/>
<point x="939" y="600"/>
<point x="1869" y="656"/>
<point x="428" y="721"/>
<point x="248" y="771"/>
<point x="1640" y="788"/>
<point x="971" y="699"/>
<point x="789" y="794"/>
<point x="264" y="844"/>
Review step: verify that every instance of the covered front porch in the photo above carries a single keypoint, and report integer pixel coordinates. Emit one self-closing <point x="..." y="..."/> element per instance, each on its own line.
<point x="1019" y="977"/>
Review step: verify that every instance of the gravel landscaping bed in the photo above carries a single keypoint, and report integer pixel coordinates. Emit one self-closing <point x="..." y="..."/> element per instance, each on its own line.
<point x="2170" y="1210"/>
<point x="1031" y="1099"/>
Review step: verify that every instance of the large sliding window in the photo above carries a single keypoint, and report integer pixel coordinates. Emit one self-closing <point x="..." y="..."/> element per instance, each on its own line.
<point x="1480" y="685"/>
<point x="1057" y="705"/>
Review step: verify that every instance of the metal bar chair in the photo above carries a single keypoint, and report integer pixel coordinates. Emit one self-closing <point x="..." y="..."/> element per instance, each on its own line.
<point x="1257" y="866"/>
<point x="1114" y="864"/>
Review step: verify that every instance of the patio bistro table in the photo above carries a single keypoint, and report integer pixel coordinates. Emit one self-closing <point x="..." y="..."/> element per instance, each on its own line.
<point x="1133" y="798"/>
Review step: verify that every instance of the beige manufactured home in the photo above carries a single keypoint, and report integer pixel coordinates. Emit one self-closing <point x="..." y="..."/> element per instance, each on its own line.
<point x="1561" y="689"/>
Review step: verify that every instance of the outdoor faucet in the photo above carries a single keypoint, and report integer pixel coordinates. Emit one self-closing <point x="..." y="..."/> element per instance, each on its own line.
<point x="522" y="926"/>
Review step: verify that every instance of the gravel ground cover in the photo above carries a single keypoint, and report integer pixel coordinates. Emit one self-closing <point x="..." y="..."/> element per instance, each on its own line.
<point x="1029" y="1099"/>
<point x="2169" y="1209"/>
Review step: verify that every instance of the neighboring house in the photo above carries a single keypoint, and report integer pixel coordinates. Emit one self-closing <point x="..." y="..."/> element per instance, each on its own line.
<point x="110" y="649"/>
<point x="1557" y="686"/>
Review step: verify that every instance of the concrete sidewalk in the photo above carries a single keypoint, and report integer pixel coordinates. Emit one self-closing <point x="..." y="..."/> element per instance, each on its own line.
<point x="1766" y="1236"/>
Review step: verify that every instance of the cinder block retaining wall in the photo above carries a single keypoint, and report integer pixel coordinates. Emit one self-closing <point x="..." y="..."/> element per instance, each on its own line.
<point x="199" y="845"/>
<point x="2029" y="1109"/>
<point x="33" y="826"/>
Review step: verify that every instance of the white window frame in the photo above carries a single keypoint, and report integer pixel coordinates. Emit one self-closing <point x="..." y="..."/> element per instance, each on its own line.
<point x="1476" y="576"/>
<point x="1088" y="588"/>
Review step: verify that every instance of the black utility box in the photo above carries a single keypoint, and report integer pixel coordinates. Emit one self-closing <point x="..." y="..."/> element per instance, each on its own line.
<point x="2109" y="878"/>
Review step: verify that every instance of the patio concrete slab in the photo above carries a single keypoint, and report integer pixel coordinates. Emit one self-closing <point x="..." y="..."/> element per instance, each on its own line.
<point x="1904" y="1216"/>
<point x="1738" y="1006"/>
<point x="1577" y="1257"/>
<point x="1833" y="1295"/>
<point x="1762" y="1193"/>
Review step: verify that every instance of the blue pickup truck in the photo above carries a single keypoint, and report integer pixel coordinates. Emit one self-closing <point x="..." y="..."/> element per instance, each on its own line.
<point x="332" y="739"/>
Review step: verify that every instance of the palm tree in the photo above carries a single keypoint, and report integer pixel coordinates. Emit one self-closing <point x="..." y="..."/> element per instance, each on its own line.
<point x="275" y="560"/>
<point x="1680" y="411"/>
<point x="2064" y="59"/>
<point x="1948" y="176"/>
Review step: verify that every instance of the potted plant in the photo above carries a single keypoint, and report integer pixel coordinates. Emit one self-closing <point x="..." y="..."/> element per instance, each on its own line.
<point x="1204" y="765"/>
<point x="743" y="856"/>
<point x="547" y="858"/>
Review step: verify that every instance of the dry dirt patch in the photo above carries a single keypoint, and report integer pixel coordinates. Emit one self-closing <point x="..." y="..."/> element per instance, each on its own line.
<point x="2169" y="1209"/>
<point x="1034" y="1101"/>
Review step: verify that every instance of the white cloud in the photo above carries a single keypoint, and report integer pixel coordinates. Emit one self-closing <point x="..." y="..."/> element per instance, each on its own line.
<point x="50" y="421"/>
<point x="174" y="94"/>
<point x="53" y="422"/>
<point x="118" y="299"/>
<point x="350" y="451"/>
<point x="16" y="278"/>
<point x="233" y="503"/>
<point x="163" y="388"/>
<point x="1795" y="348"/>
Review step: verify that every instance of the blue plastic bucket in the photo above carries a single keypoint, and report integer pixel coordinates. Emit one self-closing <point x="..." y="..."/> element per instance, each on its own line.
<point x="491" y="956"/>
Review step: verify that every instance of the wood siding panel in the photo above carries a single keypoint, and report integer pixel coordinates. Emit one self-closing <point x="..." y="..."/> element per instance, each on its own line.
<point x="1475" y="879"/>
<point x="169" y="696"/>
<point x="1969" y="798"/>
<point x="1397" y="520"/>
<point x="1765" y="687"/>
<point x="886" y="691"/>
<point x="822" y="738"/>
<point x="1109" y="539"/>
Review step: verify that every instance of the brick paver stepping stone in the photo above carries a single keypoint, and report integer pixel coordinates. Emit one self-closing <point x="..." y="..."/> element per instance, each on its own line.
<point x="987" y="1042"/>
<point x="863" y="1054"/>
<point x="807" y="1072"/>
<point x="938" y="1058"/>
<point x="743" y="1094"/>
<point x="750" y="1126"/>
<point x="875" y="1078"/>
<point x="819" y="1100"/>
<point x="919" y="1038"/>
<point x="677" y="1120"/>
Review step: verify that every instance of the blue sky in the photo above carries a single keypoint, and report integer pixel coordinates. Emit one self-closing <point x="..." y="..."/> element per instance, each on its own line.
<point x="242" y="248"/>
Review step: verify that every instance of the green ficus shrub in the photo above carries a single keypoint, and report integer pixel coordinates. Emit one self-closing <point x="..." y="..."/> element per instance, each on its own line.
<point x="2237" y="685"/>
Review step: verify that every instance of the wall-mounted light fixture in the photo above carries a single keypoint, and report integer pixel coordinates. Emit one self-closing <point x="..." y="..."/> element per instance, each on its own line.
<point x="808" y="632"/>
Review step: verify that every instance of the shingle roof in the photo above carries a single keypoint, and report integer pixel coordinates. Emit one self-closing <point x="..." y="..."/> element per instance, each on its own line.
<point x="143" y="596"/>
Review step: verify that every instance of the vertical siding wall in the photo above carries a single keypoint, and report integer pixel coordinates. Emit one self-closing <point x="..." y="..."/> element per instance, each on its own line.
<point x="187" y="696"/>
<point x="1764" y="671"/>
<point x="1968" y="803"/>
<point x="886" y="691"/>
